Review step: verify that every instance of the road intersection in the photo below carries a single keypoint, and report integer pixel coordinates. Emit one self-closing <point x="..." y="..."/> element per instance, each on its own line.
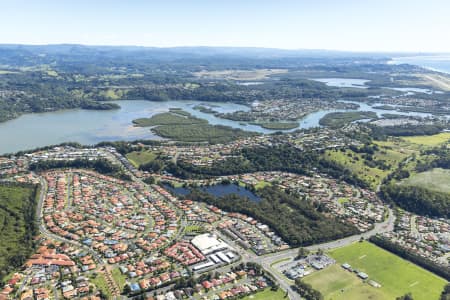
<point x="266" y="261"/>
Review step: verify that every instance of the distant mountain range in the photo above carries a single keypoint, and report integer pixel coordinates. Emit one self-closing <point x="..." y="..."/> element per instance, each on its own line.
<point x="255" y="52"/>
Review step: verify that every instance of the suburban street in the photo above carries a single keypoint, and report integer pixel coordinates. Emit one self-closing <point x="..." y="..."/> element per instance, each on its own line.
<point x="266" y="261"/>
<point x="385" y="226"/>
<point x="45" y="232"/>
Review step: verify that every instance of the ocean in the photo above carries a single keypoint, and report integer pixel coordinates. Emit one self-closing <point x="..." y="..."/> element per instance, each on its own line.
<point x="434" y="62"/>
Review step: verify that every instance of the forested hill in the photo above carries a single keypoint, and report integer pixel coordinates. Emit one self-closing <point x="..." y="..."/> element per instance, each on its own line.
<point x="17" y="215"/>
<point x="231" y="57"/>
<point x="282" y="157"/>
<point x="55" y="77"/>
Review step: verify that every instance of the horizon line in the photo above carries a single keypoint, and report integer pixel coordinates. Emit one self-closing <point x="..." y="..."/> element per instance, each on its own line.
<point x="229" y="47"/>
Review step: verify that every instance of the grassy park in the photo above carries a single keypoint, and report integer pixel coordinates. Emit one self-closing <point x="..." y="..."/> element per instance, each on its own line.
<point x="138" y="158"/>
<point x="119" y="278"/>
<point x="355" y="164"/>
<point x="99" y="281"/>
<point x="267" y="294"/>
<point x="391" y="152"/>
<point x="429" y="140"/>
<point x="436" y="179"/>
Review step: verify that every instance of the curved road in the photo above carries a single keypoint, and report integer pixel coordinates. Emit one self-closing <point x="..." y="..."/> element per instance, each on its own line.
<point x="48" y="234"/>
<point x="265" y="261"/>
<point x="387" y="225"/>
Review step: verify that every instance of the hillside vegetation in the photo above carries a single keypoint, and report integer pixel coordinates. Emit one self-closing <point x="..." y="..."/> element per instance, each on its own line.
<point x="17" y="225"/>
<point x="297" y="221"/>
<point x="422" y="201"/>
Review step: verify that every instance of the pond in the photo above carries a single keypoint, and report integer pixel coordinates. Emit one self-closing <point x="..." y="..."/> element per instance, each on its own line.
<point x="218" y="190"/>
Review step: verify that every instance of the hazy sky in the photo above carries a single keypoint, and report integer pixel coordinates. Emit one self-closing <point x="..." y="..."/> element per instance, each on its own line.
<point x="359" y="25"/>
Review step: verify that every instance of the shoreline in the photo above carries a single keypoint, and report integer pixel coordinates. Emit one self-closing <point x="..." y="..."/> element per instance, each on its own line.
<point x="399" y="61"/>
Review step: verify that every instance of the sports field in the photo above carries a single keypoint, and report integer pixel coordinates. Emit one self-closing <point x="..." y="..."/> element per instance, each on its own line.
<point x="336" y="283"/>
<point x="436" y="179"/>
<point x="396" y="276"/>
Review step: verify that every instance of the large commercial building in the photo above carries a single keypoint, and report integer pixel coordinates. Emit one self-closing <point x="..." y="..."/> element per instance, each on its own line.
<point x="208" y="243"/>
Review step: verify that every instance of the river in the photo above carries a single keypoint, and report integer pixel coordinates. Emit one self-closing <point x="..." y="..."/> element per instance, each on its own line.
<point x="93" y="126"/>
<point x="89" y="127"/>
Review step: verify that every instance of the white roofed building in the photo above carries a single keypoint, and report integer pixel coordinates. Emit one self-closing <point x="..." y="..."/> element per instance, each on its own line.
<point x="208" y="243"/>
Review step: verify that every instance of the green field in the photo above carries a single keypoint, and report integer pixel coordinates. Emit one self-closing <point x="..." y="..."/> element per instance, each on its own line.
<point x="429" y="140"/>
<point x="119" y="278"/>
<point x="343" y="200"/>
<point x="396" y="276"/>
<point x="436" y="179"/>
<point x="336" y="283"/>
<point x="262" y="184"/>
<point x="267" y="294"/>
<point x="392" y="152"/>
<point x="138" y="158"/>
<point x="100" y="282"/>
<point x="355" y="164"/>
<point x="17" y="226"/>
<point x="197" y="229"/>
<point x="112" y="94"/>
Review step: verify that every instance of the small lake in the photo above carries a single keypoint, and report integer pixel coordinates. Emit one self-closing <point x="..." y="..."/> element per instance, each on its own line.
<point x="218" y="190"/>
<point x="344" y="82"/>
